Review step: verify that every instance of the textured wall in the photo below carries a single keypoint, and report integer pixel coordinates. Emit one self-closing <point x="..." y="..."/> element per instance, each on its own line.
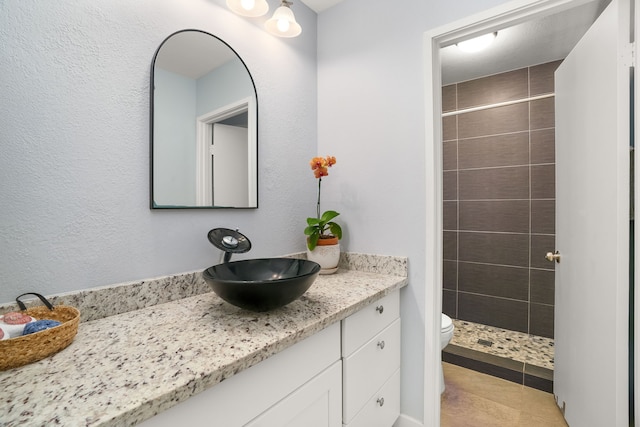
<point x="371" y="116"/>
<point x="499" y="200"/>
<point x="74" y="137"/>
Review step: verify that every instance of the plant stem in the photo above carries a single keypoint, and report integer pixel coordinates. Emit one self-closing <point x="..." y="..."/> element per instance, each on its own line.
<point x="318" y="207"/>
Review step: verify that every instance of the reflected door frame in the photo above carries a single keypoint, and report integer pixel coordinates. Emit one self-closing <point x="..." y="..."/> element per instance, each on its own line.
<point x="204" y="134"/>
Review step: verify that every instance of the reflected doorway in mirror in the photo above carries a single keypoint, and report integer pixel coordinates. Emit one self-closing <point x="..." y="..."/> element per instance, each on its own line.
<point x="227" y="157"/>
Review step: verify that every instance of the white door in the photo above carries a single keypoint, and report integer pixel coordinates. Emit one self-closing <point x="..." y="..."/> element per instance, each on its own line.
<point x="592" y="224"/>
<point x="230" y="168"/>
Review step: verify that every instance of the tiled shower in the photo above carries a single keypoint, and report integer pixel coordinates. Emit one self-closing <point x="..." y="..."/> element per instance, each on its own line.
<point x="499" y="200"/>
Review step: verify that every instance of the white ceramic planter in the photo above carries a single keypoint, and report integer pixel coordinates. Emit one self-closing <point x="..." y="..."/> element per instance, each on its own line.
<point x="327" y="256"/>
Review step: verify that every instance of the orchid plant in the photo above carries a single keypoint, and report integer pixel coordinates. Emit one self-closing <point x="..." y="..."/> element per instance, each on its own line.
<point x="321" y="227"/>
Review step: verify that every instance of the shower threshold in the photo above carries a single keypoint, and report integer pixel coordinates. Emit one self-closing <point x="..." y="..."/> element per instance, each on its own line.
<point x="514" y="356"/>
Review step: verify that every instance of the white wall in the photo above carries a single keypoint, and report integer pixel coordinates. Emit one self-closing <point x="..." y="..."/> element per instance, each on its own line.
<point x="74" y="130"/>
<point x="74" y="142"/>
<point x="174" y="148"/>
<point x="371" y="117"/>
<point x="224" y="85"/>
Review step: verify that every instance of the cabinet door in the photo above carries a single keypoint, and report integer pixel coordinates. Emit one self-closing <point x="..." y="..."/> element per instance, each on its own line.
<point x="315" y="404"/>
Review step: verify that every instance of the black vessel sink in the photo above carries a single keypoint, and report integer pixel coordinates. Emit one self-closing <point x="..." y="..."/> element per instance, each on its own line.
<point x="262" y="284"/>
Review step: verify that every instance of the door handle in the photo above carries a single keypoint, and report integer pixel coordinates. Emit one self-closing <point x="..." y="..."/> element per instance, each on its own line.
<point x="553" y="256"/>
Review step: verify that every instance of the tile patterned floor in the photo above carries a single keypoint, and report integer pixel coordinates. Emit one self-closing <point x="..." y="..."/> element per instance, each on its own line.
<point x="531" y="349"/>
<point x="472" y="399"/>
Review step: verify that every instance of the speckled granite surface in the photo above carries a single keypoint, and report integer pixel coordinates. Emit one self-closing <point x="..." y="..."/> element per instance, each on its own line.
<point x="125" y="368"/>
<point x="97" y="303"/>
<point x="530" y="349"/>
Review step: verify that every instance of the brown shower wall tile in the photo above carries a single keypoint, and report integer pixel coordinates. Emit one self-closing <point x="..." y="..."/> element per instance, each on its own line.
<point x="543" y="286"/>
<point x="495" y="215"/>
<point x="497" y="183"/>
<point x="491" y="151"/>
<point x="450" y="275"/>
<point x="502" y="87"/>
<point x="450" y="185"/>
<point x="543" y="216"/>
<point x="541" y="78"/>
<point x="450" y="155"/>
<point x="543" y="113"/>
<point x="450" y="215"/>
<point x="494" y="121"/>
<point x="494" y="280"/>
<point x="499" y="312"/>
<point x="449" y="303"/>
<point x="450" y="245"/>
<point x="543" y="146"/>
<point x="543" y="182"/>
<point x="540" y="245"/>
<point x="449" y="128"/>
<point x="449" y="94"/>
<point x="494" y="248"/>
<point x="542" y="320"/>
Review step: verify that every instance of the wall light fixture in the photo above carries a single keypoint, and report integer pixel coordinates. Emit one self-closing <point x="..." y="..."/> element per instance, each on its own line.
<point x="283" y="23"/>
<point x="250" y="8"/>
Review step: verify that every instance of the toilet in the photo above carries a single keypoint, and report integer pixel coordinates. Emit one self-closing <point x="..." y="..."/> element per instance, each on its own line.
<point x="446" y="333"/>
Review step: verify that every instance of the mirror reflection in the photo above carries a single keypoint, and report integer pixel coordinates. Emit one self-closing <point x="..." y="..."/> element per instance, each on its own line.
<point x="204" y="125"/>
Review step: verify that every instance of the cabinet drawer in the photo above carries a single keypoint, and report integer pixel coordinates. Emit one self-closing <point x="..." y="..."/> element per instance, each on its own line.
<point x="360" y="327"/>
<point x="366" y="370"/>
<point x="383" y="409"/>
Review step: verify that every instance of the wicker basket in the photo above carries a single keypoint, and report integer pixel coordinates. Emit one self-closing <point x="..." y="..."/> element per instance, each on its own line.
<point x="30" y="348"/>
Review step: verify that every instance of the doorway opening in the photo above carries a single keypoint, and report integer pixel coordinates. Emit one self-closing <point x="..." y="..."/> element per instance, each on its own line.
<point x="443" y="38"/>
<point x="499" y="222"/>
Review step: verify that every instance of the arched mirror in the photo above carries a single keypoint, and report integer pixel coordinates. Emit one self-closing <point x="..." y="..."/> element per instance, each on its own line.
<point x="204" y="125"/>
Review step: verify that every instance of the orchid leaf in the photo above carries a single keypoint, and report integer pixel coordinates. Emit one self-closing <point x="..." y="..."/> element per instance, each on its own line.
<point x="310" y="230"/>
<point x="313" y="221"/>
<point x="328" y="216"/>
<point x="336" y="230"/>
<point x="312" y="241"/>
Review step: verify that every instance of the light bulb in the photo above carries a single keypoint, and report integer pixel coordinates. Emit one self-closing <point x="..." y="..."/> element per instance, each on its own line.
<point x="248" y="4"/>
<point x="283" y="25"/>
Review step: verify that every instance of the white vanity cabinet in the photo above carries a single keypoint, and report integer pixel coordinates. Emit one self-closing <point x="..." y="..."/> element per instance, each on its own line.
<point x="345" y="375"/>
<point x="300" y="386"/>
<point x="371" y="365"/>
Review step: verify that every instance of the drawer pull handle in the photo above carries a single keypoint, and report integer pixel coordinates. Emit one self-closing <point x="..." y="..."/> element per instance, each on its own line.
<point x="380" y="401"/>
<point x="381" y="345"/>
<point x="380" y="309"/>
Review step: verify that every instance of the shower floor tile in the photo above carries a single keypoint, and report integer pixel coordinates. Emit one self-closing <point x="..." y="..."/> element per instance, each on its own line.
<point x="518" y="346"/>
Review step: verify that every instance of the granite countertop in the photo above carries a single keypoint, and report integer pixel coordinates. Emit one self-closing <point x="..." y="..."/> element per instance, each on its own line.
<point x="127" y="367"/>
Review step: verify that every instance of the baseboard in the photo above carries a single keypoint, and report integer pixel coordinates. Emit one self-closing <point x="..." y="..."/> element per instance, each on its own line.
<point x="406" y="421"/>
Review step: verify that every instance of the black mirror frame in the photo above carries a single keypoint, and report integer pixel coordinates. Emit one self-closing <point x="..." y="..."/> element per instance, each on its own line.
<point x="152" y="205"/>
